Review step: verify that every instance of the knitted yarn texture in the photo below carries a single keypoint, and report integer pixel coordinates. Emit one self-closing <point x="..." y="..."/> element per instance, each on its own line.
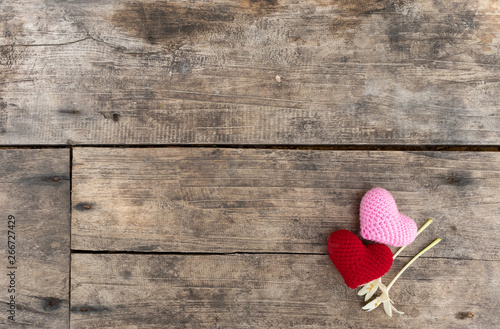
<point x="358" y="264"/>
<point x="382" y="222"/>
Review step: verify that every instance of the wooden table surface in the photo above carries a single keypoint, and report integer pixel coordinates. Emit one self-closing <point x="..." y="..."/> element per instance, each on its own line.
<point x="181" y="164"/>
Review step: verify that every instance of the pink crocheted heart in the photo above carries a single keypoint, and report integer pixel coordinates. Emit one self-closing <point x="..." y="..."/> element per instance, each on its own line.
<point x="382" y="222"/>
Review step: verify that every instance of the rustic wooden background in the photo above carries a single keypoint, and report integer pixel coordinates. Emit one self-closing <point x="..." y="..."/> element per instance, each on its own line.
<point x="181" y="164"/>
<point x="34" y="188"/>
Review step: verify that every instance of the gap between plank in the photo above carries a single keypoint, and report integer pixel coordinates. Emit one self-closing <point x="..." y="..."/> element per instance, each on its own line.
<point x="177" y="253"/>
<point x="343" y="147"/>
<point x="70" y="219"/>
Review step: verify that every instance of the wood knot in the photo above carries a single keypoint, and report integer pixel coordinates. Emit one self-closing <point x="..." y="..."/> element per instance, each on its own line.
<point x="83" y="206"/>
<point x="465" y="315"/>
<point x="52" y="301"/>
<point x="453" y="179"/>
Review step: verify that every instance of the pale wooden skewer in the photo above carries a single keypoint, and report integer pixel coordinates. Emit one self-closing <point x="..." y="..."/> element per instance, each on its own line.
<point x="418" y="232"/>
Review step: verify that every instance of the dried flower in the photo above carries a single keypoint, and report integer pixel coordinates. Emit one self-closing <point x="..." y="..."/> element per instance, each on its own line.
<point x="384" y="298"/>
<point x="369" y="289"/>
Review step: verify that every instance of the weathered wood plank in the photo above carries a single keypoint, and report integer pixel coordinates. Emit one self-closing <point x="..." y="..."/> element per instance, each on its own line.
<point x="177" y="72"/>
<point x="34" y="193"/>
<point x="272" y="291"/>
<point x="227" y="200"/>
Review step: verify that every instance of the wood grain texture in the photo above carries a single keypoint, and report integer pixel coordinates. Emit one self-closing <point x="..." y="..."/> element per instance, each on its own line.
<point x="205" y="72"/>
<point x="246" y="200"/>
<point x="34" y="188"/>
<point x="272" y="291"/>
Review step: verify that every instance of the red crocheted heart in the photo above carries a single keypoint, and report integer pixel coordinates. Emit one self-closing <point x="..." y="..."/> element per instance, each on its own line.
<point x="358" y="264"/>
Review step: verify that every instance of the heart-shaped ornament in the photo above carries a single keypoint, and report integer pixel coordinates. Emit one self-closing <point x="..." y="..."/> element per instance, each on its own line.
<point x="358" y="264"/>
<point x="382" y="222"/>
